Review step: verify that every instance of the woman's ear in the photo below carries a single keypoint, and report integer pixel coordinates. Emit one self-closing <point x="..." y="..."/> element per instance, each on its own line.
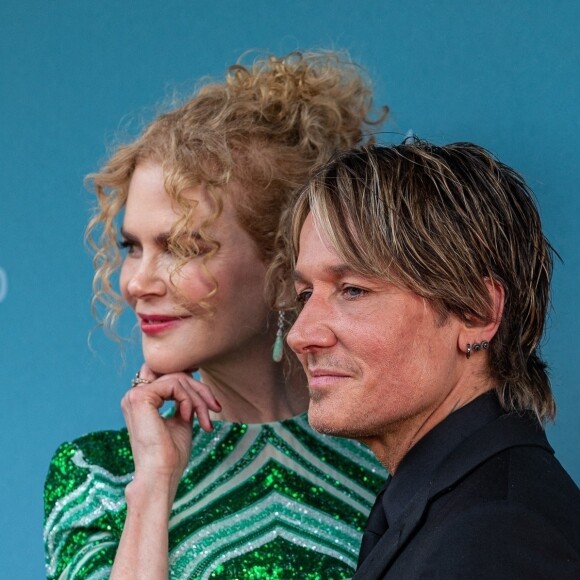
<point x="476" y="331"/>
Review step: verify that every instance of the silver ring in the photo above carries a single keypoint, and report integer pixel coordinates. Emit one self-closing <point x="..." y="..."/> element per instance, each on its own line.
<point x="137" y="380"/>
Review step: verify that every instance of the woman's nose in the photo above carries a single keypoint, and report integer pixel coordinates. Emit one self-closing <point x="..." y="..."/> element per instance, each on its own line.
<point x="144" y="279"/>
<point x="312" y="329"/>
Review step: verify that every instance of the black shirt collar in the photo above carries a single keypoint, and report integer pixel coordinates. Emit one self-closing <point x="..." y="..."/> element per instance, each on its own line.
<point x="422" y="460"/>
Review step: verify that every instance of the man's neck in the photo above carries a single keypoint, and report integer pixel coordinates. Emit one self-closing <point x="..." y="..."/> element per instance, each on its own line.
<point x="393" y="445"/>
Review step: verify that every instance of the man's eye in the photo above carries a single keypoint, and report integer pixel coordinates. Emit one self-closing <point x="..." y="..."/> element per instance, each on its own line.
<point x="353" y="292"/>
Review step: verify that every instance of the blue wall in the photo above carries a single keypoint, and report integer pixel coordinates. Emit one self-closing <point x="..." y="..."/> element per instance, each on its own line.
<point x="505" y="74"/>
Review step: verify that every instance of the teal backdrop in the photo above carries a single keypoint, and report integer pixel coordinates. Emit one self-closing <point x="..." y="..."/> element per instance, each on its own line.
<point x="74" y="74"/>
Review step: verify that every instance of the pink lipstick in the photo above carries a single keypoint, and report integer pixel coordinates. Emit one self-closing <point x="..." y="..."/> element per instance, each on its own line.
<point x="157" y="323"/>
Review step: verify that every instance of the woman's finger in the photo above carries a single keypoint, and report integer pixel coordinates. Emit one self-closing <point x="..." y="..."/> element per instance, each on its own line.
<point x="201" y="401"/>
<point x="190" y="396"/>
<point x="204" y="392"/>
<point x="146" y="373"/>
<point x="197" y="387"/>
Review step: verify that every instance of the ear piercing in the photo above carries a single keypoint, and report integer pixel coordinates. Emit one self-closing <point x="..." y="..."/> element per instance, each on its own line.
<point x="476" y="347"/>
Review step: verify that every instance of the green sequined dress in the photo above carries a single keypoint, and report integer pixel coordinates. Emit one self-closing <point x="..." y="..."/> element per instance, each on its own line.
<point x="259" y="501"/>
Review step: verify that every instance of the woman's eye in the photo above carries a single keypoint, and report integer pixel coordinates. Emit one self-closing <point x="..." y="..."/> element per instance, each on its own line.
<point x="126" y="246"/>
<point x="303" y="297"/>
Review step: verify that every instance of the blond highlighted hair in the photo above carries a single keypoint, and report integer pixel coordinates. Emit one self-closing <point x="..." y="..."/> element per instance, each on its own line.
<point x="255" y="136"/>
<point x="439" y="221"/>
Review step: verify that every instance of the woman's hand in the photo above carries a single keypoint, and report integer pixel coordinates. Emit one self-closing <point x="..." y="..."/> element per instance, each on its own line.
<point x="161" y="446"/>
<point x="161" y="449"/>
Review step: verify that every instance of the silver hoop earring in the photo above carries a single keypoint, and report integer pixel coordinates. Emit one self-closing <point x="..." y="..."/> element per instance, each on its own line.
<point x="476" y="347"/>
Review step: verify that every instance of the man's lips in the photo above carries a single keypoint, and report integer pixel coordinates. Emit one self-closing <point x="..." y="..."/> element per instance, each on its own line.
<point x="156" y="323"/>
<point x="318" y="377"/>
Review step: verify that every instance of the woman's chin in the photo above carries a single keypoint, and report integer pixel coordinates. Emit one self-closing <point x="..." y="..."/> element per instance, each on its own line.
<point x="168" y="367"/>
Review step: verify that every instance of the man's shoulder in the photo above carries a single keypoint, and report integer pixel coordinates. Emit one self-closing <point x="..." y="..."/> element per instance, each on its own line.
<point x="527" y="473"/>
<point x="521" y="488"/>
<point x="499" y="539"/>
<point x="534" y="472"/>
<point x="516" y="515"/>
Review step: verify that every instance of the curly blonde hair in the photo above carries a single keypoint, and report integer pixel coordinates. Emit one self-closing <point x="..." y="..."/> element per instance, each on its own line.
<point x="256" y="136"/>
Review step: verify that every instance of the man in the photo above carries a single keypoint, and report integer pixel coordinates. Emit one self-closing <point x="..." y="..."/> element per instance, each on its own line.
<point x="423" y="278"/>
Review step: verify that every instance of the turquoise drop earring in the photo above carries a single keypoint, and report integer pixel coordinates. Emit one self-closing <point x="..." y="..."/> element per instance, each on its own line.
<point x="278" y="350"/>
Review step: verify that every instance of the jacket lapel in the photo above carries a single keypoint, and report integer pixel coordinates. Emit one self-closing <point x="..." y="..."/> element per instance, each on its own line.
<point x="510" y="430"/>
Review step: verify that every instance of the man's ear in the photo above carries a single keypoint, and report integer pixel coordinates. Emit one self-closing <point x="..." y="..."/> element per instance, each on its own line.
<point x="477" y="331"/>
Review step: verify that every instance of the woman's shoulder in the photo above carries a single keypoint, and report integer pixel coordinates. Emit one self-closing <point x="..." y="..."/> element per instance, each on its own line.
<point x="336" y="450"/>
<point x="109" y="450"/>
<point x="98" y="458"/>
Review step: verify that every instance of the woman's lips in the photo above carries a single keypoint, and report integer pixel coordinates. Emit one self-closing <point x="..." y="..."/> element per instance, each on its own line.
<point x="157" y="323"/>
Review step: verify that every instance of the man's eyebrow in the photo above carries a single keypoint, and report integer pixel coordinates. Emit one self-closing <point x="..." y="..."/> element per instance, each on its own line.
<point x="341" y="270"/>
<point x="336" y="271"/>
<point x="297" y="276"/>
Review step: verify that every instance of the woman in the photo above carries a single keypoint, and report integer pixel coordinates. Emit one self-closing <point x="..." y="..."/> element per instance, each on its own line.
<point x="251" y="491"/>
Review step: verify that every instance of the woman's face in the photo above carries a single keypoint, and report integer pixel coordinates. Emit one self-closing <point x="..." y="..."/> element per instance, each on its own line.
<point x="179" y="334"/>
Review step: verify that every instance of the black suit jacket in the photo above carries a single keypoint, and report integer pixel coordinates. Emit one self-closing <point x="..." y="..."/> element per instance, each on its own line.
<point x="498" y="506"/>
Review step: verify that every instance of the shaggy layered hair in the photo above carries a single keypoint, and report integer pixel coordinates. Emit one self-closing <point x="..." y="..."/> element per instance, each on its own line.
<point x="440" y="221"/>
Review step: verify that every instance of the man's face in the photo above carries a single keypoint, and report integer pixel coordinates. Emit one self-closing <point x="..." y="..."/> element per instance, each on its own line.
<point x="377" y="358"/>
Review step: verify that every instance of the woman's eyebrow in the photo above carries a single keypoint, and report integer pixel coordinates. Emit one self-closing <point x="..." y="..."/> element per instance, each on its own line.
<point x="160" y="239"/>
<point x="127" y="235"/>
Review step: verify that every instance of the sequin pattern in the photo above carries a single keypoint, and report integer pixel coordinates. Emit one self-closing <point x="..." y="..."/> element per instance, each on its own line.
<point x="269" y="501"/>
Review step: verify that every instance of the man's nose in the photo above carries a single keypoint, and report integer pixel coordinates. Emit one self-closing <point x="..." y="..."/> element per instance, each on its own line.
<point x="313" y="328"/>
